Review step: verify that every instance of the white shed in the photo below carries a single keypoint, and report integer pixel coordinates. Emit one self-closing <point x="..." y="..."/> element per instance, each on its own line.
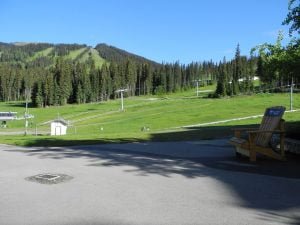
<point x="59" y="127"/>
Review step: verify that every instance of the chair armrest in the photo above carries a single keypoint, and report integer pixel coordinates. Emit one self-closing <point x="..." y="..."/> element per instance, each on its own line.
<point x="243" y="129"/>
<point x="238" y="131"/>
<point x="266" y="131"/>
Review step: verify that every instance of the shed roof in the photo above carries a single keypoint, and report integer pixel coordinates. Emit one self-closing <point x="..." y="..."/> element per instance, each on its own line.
<point x="62" y="121"/>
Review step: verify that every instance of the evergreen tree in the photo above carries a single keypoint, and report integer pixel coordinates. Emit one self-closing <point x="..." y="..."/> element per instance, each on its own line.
<point x="37" y="94"/>
<point x="48" y="89"/>
<point x="139" y="75"/>
<point x="94" y="81"/>
<point x="79" y="94"/>
<point x="237" y="71"/>
<point x="177" y="76"/>
<point x="293" y="16"/>
<point x="62" y="75"/>
<point x="115" y="79"/>
<point x="163" y="79"/>
<point x="221" y="82"/>
<point x="86" y="85"/>
<point x="170" y="78"/>
<point x="130" y="77"/>
<point x="148" y="79"/>
<point x="104" y="82"/>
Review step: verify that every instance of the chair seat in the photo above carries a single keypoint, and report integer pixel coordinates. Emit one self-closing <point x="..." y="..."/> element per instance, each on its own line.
<point x="237" y="141"/>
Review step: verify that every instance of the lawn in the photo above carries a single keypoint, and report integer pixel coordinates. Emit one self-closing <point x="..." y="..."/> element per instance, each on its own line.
<point x="145" y="118"/>
<point x="42" y="53"/>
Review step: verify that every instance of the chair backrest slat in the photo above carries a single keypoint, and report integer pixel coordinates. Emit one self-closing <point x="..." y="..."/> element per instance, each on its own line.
<point x="270" y="121"/>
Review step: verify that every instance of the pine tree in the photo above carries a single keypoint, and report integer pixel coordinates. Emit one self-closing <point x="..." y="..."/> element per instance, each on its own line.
<point x="115" y="79"/>
<point x="104" y="79"/>
<point x="94" y="81"/>
<point x="170" y="78"/>
<point x="139" y="70"/>
<point x="130" y="77"/>
<point x="221" y="82"/>
<point x="48" y="89"/>
<point x="62" y="76"/>
<point x="163" y="79"/>
<point x="86" y="85"/>
<point x="177" y="76"/>
<point x="237" y="71"/>
<point x="37" y="94"/>
<point x="147" y="74"/>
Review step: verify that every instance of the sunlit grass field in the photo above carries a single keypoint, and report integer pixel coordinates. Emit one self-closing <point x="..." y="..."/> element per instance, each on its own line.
<point x="145" y="118"/>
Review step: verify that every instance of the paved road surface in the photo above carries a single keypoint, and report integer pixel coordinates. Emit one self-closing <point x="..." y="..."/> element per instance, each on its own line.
<point x="146" y="183"/>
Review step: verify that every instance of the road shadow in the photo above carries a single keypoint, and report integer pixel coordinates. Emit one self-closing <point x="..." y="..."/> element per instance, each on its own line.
<point x="268" y="186"/>
<point x="216" y="132"/>
<point x="19" y="105"/>
<point x="52" y="141"/>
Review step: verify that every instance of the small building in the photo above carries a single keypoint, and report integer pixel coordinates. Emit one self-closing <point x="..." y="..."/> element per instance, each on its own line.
<point x="59" y="127"/>
<point x="6" y="116"/>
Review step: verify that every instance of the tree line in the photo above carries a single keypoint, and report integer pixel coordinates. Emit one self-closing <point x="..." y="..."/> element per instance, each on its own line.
<point x="75" y="82"/>
<point x="70" y="81"/>
<point x="236" y="76"/>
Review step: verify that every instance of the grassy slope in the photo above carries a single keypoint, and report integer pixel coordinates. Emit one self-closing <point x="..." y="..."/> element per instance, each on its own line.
<point x="104" y="122"/>
<point x="73" y="54"/>
<point x="97" y="58"/>
<point x="44" y="52"/>
<point x="95" y="55"/>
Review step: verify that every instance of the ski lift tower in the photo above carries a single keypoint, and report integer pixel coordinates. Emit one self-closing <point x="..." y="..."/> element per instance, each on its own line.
<point x="122" y="101"/>
<point x="197" y="87"/>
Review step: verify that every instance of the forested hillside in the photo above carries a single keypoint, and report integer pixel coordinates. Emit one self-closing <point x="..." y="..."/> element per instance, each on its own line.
<point x="49" y="74"/>
<point x="57" y="74"/>
<point x="113" y="54"/>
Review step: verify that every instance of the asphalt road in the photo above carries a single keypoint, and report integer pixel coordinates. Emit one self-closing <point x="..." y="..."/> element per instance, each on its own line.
<point x="146" y="183"/>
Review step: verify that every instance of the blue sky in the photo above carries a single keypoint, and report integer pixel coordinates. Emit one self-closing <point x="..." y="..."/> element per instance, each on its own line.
<point x="161" y="30"/>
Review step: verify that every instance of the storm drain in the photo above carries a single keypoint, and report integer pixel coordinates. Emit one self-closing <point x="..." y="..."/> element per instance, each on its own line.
<point x="49" y="178"/>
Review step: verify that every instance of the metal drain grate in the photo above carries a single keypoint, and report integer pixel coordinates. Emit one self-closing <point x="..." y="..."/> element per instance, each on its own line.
<point x="49" y="178"/>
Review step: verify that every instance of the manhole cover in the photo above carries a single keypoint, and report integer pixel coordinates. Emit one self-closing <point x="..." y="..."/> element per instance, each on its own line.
<point x="49" y="178"/>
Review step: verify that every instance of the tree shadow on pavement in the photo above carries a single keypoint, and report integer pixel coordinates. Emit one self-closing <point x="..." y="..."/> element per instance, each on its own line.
<point x="267" y="185"/>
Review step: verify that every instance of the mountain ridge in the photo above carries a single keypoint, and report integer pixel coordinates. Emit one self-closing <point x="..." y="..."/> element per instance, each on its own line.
<point x="23" y="52"/>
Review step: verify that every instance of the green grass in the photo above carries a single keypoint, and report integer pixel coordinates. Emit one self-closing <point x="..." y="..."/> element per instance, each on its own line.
<point x="73" y="54"/>
<point x="163" y="115"/>
<point x="94" y="53"/>
<point x="99" y="61"/>
<point x="97" y="58"/>
<point x="42" y="53"/>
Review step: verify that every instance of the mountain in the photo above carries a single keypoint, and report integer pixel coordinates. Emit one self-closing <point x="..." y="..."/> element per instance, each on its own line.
<point x="44" y="54"/>
<point x="113" y="54"/>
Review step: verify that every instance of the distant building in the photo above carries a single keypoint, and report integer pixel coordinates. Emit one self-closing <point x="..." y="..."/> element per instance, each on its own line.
<point x="6" y="116"/>
<point x="59" y="127"/>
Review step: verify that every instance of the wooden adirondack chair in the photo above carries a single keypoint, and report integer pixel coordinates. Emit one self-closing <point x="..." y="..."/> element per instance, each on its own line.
<point x="258" y="140"/>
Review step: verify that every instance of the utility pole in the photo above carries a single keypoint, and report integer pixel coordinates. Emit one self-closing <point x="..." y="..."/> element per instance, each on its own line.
<point x="26" y="111"/>
<point x="291" y="95"/>
<point x="197" y="87"/>
<point x="122" y="101"/>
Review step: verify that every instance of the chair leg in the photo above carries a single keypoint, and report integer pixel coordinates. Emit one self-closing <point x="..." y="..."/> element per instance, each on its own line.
<point x="238" y="155"/>
<point x="282" y="150"/>
<point x="252" y="152"/>
<point x="252" y="156"/>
